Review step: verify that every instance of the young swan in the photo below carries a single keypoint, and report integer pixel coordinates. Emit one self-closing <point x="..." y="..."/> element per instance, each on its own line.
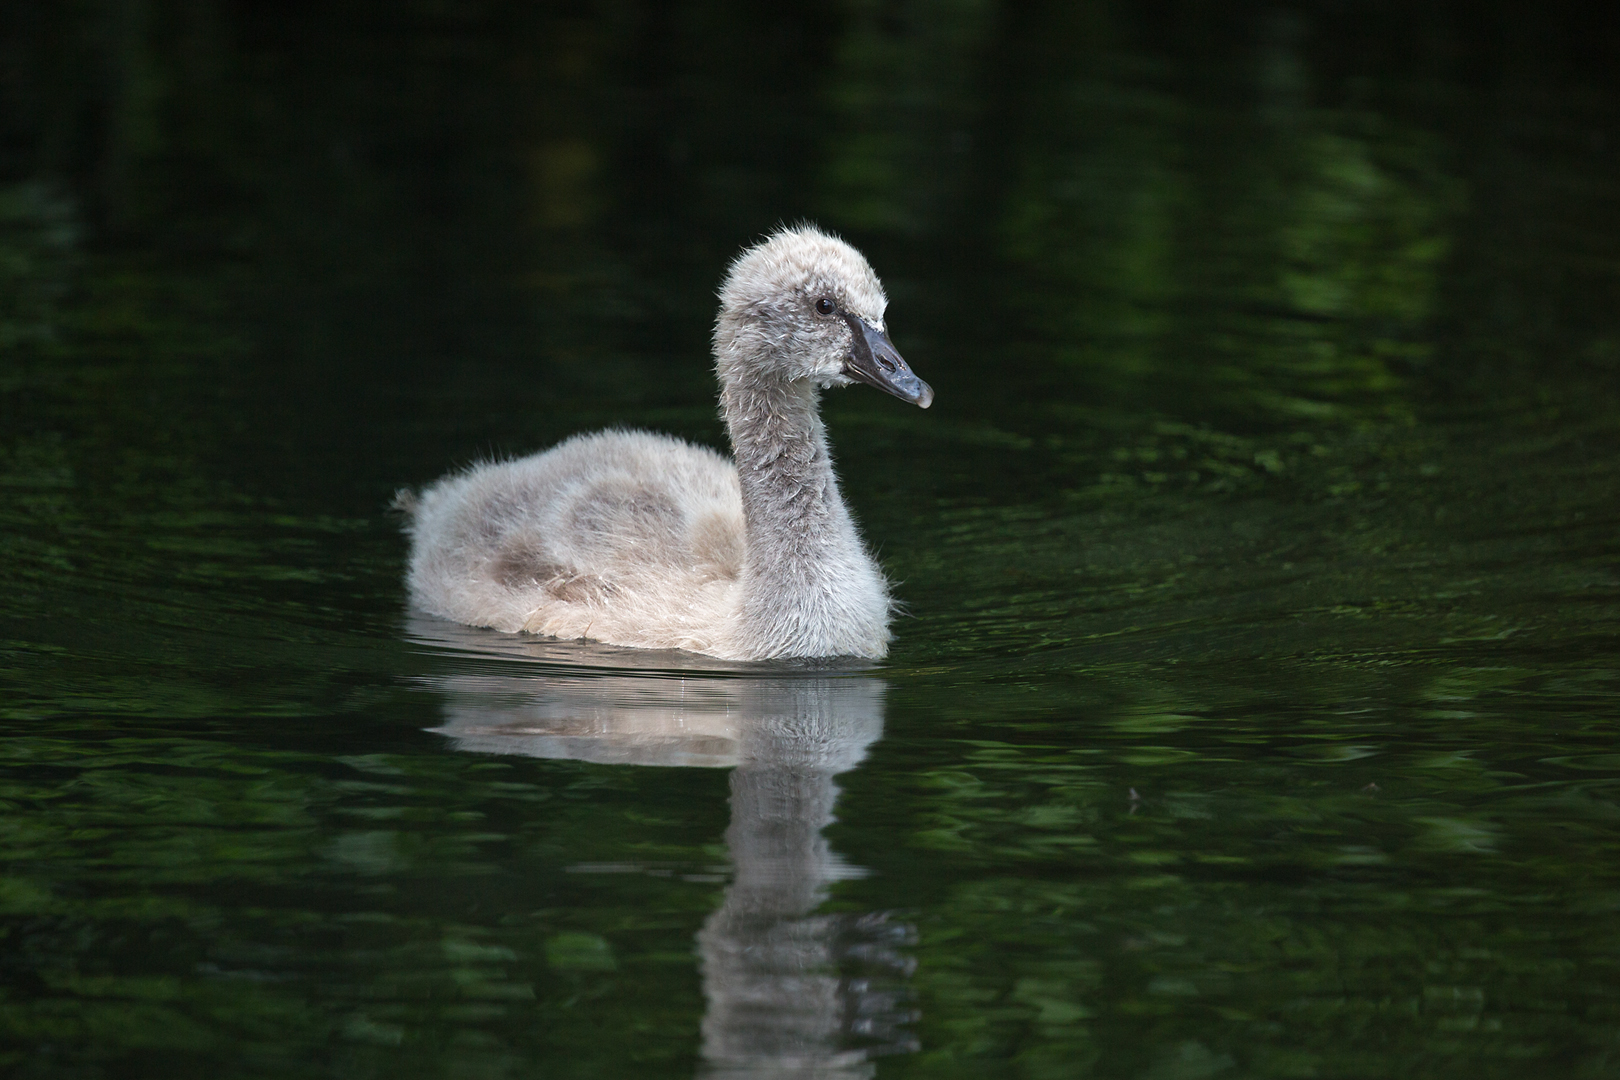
<point x="637" y="539"/>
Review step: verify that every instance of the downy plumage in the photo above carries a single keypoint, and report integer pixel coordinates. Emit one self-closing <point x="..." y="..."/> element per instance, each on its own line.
<point x="645" y="540"/>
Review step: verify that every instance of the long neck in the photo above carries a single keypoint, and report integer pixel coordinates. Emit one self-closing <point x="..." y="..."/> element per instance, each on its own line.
<point x="807" y="569"/>
<point x="790" y="495"/>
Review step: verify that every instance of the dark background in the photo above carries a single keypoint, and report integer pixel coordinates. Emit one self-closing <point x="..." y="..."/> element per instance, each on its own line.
<point x="1249" y="216"/>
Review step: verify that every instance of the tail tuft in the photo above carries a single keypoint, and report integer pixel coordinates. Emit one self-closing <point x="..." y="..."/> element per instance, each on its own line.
<point x="404" y="503"/>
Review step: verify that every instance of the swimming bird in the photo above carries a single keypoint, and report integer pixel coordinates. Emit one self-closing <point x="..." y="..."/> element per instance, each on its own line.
<point x="645" y="540"/>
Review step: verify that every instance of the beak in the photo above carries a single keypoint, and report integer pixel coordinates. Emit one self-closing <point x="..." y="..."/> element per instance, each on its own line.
<point x="875" y="362"/>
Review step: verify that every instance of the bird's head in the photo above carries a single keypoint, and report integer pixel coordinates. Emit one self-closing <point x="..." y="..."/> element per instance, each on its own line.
<point x="804" y="305"/>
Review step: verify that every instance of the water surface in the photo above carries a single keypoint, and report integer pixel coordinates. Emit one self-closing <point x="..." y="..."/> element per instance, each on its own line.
<point x="1254" y="710"/>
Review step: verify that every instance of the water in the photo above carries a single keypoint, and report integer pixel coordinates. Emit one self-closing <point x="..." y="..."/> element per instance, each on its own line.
<point x="1254" y="712"/>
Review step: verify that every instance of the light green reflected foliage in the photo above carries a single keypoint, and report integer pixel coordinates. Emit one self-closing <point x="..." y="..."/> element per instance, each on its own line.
<point x="1295" y="255"/>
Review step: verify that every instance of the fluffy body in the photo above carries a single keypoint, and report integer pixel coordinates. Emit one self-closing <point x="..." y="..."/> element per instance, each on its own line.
<point x="637" y="539"/>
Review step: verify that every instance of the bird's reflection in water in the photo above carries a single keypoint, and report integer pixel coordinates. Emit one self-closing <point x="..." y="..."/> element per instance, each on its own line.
<point x="790" y="993"/>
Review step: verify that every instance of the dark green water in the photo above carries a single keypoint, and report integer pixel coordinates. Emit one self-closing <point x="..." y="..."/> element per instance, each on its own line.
<point x="1256" y="710"/>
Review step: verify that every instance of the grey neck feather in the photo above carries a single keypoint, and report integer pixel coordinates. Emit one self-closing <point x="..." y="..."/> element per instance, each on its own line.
<point x="801" y="540"/>
<point x="790" y="495"/>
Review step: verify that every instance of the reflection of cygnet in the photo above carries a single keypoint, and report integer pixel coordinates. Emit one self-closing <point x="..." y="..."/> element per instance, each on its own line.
<point x="825" y="723"/>
<point x="644" y="540"/>
<point x="777" y="1003"/>
<point x="777" y="1008"/>
<point x="612" y="720"/>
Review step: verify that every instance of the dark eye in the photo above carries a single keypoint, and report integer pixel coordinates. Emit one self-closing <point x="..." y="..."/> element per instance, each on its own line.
<point x="825" y="306"/>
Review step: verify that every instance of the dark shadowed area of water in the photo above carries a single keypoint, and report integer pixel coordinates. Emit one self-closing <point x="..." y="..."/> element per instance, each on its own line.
<point x="1254" y="711"/>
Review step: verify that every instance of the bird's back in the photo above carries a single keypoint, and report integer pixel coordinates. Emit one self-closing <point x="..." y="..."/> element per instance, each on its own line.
<point x="620" y="536"/>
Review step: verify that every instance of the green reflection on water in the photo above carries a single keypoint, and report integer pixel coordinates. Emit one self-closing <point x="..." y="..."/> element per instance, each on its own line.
<point x="1255" y="714"/>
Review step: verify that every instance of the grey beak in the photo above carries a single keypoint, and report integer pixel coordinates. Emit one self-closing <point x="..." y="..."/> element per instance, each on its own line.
<point x="877" y="363"/>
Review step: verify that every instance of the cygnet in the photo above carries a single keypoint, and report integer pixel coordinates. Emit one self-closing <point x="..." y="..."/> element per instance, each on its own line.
<point x="644" y="540"/>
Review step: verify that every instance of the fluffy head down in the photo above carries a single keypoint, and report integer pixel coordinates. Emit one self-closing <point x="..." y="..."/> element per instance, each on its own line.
<point x="783" y="306"/>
